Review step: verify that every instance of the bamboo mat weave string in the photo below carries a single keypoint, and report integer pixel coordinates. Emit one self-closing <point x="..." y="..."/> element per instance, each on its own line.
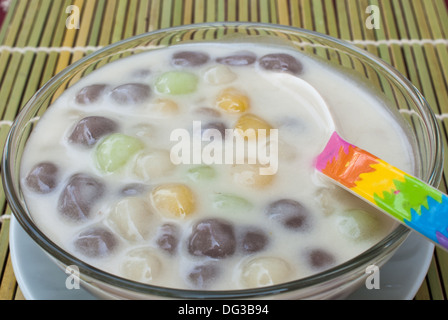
<point x="35" y="44"/>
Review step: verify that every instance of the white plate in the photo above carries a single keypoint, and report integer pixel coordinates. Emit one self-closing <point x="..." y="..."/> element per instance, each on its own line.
<point x="40" y="279"/>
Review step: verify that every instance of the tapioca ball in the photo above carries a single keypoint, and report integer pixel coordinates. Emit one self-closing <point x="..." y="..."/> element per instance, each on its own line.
<point x="189" y="58"/>
<point x="43" y="177"/>
<point x="281" y="62"/>
<point x="231" y="203"/>
<point x="131" y="218"/>
<point x="210" y="129"/>
<point x="90" y="129"/>
<point x="79" y="195"/>
<point x="254" y="240"/>
<point x="214" y="238"/>
<point x="168" y="237"/>
<point x="116" y="150"/>
<point x="290" y="213"/>
<point x="251" y="176"/>
<point x="207" y="112"/>
<point x="201" y="173"/>
<point x="96" y="242"/>
<point x="357" y="224"/>
<point x="176" y="82"/>
<point x="320" y="259"/>
<point x="131" y="93"/>
<point x="142" y="265"/>
<point x="265" y="271"/>
<point x="90" y="94"/>
<point x="152" y="164"/>
<point x="173" y="200"/>
<point x="133" y="189"/>
<point x="244" y="58"/>
<point x="219" y="74"/>
<point x="202" y="276"/>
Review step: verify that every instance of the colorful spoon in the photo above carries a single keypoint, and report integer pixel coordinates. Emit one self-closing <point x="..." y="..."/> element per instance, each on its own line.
<point x="406" y="198"/>
<point x="409" y="200"/>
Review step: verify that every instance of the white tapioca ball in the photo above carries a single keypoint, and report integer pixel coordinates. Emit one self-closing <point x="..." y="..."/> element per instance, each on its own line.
<point x="131" y="218"/>
<point x="142" y="265"/>
<point x="357" y="224"/>
<point x="219" y="74"/>
<point x="152" y="164"/>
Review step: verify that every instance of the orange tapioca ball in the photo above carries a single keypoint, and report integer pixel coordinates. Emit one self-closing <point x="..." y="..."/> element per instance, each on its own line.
<point x="173" y="200"/>
<point x="233" y="101"/>
<point x="251" y="121"/>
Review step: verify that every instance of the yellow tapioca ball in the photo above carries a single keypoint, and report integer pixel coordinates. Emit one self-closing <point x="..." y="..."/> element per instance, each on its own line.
<point x="251" y="121"/>
<point x="173" y="200"/>
<point x="232" y="100"/>
<point x="249" y="175"/>
<point x="164" y="108"/>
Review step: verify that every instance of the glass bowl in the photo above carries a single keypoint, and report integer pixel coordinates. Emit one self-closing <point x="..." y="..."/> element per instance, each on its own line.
<point x="336" y="282"/>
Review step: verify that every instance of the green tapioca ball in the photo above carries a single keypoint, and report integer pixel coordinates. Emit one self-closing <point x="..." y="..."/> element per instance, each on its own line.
<point x="115" y="151"/>
<point x="231" y="202"/>
<point x="201" y="173"/>
<point x="176" y="82"/>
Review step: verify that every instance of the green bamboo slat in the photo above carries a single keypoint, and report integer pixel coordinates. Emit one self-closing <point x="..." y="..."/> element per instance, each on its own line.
<point x="423" y="293"/>
<point x="108" y="21"/>
<point x="231" y="10"/>
<point x="330" y="18"/>
<point x="119" y="21"/>
<point x="435" y="67"/>
<point x="9" y="284"/>
<point x="19" y="295"/>
<point x="64" y="57"/>
<point x="264" y="13"/>
<point x="142" y="16"/>
<point x="187" y="16"/>
<point x="178" y="13"/>
<point x="319" y="17"/>
<point x="130" y="26"/>
<point x="343" y="20"/>
<point x="391" y="32"/>
<point x="154" y="15"/>
<point x="7" y="21"/>
<point x="294" y="11"/>
<point x="35" y="81"/>
<point x="426" y="87"/>
<point x="442" y="262"/>
<point x="243" y="10"/>
<point x="97" y="23"/>
<point x="434" y="282"/>
<point x="69" y="40"/>
<point x="10" y="61"/>
<point x="4" y="267"/>
<point x="16" y="95"/>
<point x="166" y="14"/>
<point x="442" y="14"/>
<point x="283" y="12"/>
<point x="254" y="11"/>
<point x="83" y="33"/>
<point x="56" y="35"/>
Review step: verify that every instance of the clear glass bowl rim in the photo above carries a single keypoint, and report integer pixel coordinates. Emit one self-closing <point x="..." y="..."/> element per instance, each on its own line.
<point x="387" y="245"/>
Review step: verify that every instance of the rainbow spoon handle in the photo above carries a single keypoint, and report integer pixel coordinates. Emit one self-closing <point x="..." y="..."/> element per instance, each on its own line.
<point x="406" y="198"/>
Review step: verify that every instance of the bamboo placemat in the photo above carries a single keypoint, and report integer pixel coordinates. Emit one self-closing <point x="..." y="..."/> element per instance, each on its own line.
<point x="35" y="44"/>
